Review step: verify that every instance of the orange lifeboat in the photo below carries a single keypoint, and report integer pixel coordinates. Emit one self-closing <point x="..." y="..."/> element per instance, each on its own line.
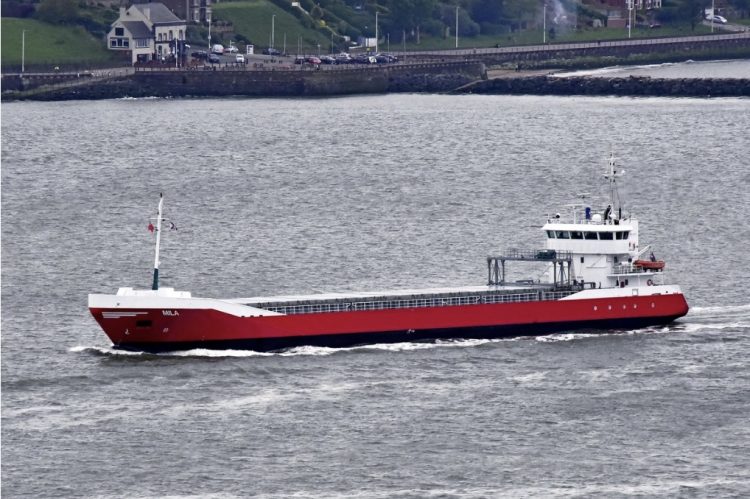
<point x="648" y="264"/>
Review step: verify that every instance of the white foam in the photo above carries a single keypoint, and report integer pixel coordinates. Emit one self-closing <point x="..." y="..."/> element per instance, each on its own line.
<point x="551" y="338"/>
<point x="104" y="351"/>
<point x="704" y="311"/>
<point x="692" y="327"/>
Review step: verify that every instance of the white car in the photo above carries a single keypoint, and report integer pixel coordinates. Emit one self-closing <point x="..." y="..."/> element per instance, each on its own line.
<point x="232" y="49"/>
<point x="717" y="19"/>
<point x="239" y="58"/>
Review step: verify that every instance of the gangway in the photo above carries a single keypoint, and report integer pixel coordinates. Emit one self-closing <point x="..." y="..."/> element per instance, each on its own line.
<point x="561" y="264"/>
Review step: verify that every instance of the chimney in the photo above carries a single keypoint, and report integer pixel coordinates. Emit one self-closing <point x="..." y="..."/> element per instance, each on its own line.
<point x="147" y="12"/>
<point x="122" y="12"/>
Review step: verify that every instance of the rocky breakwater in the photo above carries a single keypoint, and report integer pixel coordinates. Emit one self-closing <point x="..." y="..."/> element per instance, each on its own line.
<point x="627" y="86"/>
<point x="290" y="82"/>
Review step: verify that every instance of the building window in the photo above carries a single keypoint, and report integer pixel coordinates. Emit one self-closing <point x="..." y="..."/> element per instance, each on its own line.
<point x="182" y="36"/>
<point x="170" y="34"/>
<point x="159" y="37"/>
<point x="113" y="42"/>
<point x="141" y="43"/>
<point x="119" y="31"/>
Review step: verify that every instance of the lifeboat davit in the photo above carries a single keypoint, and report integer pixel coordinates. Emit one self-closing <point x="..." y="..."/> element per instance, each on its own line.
<point x="648" y="264"/>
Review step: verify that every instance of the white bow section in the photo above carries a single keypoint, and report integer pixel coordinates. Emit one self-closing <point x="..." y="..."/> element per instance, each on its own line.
<point x="168" y="298"/>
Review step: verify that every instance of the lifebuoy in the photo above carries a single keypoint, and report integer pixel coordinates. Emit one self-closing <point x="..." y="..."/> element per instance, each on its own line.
<point x="650" y="282"/>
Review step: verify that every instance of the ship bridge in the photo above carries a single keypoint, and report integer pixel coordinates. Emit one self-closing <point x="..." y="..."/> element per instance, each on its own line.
<point x="601" y="244"/>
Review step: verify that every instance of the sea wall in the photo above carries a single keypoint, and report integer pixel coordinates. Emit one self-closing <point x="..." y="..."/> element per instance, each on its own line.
<point x="630" y="86"/>
<point x="734" y="45"/>
<point x="227" y="81"/>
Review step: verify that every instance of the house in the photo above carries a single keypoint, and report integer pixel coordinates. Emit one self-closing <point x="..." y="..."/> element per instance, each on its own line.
<point x="617" y="10"/>
<point x="195" y="11"/>
<point x="148" y="31"/>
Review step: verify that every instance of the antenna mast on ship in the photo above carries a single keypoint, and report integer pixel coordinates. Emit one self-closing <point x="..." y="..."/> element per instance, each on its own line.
<point x="155" y="285"/>
<point x="612" y="175"/>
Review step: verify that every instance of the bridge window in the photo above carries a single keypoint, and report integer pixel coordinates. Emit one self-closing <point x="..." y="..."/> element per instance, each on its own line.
<point x="606" y="236"/>
<point x="576" y="234"/>
<point x="551" y="234"/>
<point x="590" y="235"/>
<point x="563" y="234"/>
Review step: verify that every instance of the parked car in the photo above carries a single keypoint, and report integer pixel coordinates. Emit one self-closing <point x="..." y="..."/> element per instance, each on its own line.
<point x="343" y="58"/>
<point x="217" y="49"/>
<point x="271" y="51"/>
<point x="214" y="59"/>
<point x="717" y="19"/>
<point x="239" y="58"/>
<point x="327" y="59"/>
<point x="231" y="49"/>
<point x="200" y="54"/>
<point x="313" y="60"/>
<point x="300" y="59"/>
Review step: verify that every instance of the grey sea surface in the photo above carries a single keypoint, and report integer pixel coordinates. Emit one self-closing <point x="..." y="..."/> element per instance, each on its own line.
<point x="365" y="193"/>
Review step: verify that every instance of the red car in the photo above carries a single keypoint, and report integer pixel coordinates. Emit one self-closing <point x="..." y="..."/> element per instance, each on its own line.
<point x="313" y="60"/>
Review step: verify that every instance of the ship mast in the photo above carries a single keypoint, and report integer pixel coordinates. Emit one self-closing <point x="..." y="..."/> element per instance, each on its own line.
<point x="612" y="175"/>
<point x="155" y="285"/>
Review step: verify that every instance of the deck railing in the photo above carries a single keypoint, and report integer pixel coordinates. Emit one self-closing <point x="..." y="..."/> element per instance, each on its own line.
<point x="527" y="295"/>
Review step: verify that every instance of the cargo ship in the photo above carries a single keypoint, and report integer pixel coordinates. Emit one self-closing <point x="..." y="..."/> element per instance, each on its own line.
<point x="596" y="276"/>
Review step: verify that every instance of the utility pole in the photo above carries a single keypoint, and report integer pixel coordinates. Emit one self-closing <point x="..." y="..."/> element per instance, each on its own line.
<point x="23" y="50"/>
<point x="376" y="31"/>
<point x="273" y="25"/>
<point x="544" y="23"/>
<point x="630" y="13"/>
<point x="713" y="12"/>
<point x="456" y="26"/>
<point x="209" y="34"/>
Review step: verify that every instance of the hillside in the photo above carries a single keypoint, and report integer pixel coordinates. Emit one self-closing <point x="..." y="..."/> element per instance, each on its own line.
<point x="49" y="45"/>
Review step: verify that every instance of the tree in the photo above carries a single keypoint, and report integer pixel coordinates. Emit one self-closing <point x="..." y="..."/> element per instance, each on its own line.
<point x="411" y="13"/>
<point x="57" y="11"/>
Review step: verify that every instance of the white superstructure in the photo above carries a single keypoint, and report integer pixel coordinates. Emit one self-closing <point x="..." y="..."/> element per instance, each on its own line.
<point x="603" y="246"/>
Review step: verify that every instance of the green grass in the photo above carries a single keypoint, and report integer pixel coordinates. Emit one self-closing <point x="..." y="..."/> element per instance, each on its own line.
<point x="50" y="45"/>
<point x="252" y="19"/>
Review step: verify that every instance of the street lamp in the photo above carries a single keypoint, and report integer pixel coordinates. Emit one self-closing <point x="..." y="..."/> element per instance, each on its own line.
<point x="456" y="26"/>
<point x="544" y="23"/>
<point x="376" y="31"/>
<point x="273" y="25"/>
<point x="209" y="33"/>
<point x="630" y="13"/>
<point x="23" y="50"/>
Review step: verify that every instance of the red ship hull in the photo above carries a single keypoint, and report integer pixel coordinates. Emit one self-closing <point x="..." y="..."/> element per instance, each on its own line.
<point x="158" y="330"/>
